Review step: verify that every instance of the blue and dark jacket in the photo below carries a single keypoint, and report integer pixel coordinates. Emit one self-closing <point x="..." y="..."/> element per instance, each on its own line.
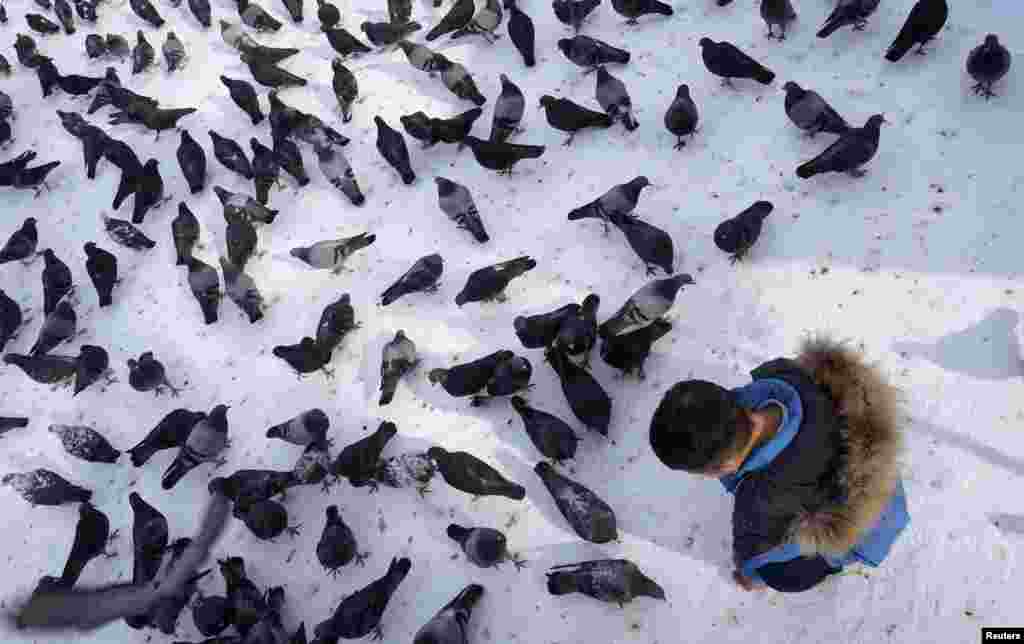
<point x="825" y="491"/>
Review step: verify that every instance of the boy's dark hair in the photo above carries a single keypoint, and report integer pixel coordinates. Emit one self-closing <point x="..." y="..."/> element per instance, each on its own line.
<point x="697" y="426"/>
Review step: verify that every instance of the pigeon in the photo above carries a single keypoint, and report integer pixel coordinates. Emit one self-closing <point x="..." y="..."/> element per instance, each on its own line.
<point x="628" y="352"/>
<point x="489" y="283"/>
<point x="59" y="326"/>
<point x="359" y="614"/>
<point x="294" y="8"/>
<point x="290" y="159"/>
<point x="35" y="177"/>
<point x="231" y="155"/>
<point x="249" y="486"/>
<point x="406" y="470"/>
<point x="204" y="444"/>
<point x="460" y="14"/>
<point x="156" y="119"/>
<point x="148" y="374"/>
<point x="92" y="363"/>
<point x="192" y="160"/>
<point x="451" y="623"/>
<point x="777" y="12"/>
<point x="484" y="22"/>
<point x="244" y="97"/>
<point x="358" y="462"/>
<point x="95" y="46"/>
<point x="185" y="231"/>
<point x="92" y="532"/>
<point x="809" y="111"/>
<point x="102" y="268"/>
<point x="270" y="75"/>
<point x="725" y="60"/>
<point x="145" y="10"/>
<point x="172" y="431"/>
<point x="634" y="9"/>
<point x="332" y="253"/>
<point x="398" y="359"/>
<point x="66" y="16"/>
<point x="149" y="190"/>
<point x="577" y="332"/>
<point x="616" y="581"/>
<point x="468" y="474"/>
<point x="201" y="10"/>
<point x="314" y="465"/>
<point x="620" y="201"/>
<point x="587" y="399"/>
<point x="423" y="276"/>
<point x="40" y="24"/>
<point x="241" y="289"/>
<point x="247" y="603"/>
<point x="86" y="10"/>
<point x="343" y="42"/>
<point x="457" y="203"/>
<point x="174" y="52"/>
<point x="590" y="517"/>
<point x="484" y="547"/>
<point x="614" y="99"/>
<point x="307" y="427"/>
<point x="391" y="146"/>
<point x="433" y="130"/>
<point x="338" y="172"/>
<point x="854" y="148"/>
<point x="591" y="53"/>
<point x="143" y="54"/>
<point x="234" y="35"/>
<point x="987" y="63"/>
<point x="327" y="13"/>
<point x="205" y="286"/>
<point x="46" y="370"/>
<point x="337" y="546"/>
<point x="239" y="238"/>
<point x="539" y="331"/>
<point x="211" y="614"/>
<point x="337" y="320"/>
<point x="649" y="303"/>
<point x="22" y="243"/>
<point x="346" y="88"/>
<point x="383" y="34"/>
<point x="305" y="357"/>
<point x="49" y="76"/>
<point x="10" y="319"/>
<point x="43" y="487"/>
<point x="458" y="81"/>
<point x="266" y="520"/>
<point x="85" y="443"/>
<point x="508" y="111"/>
<point x="56" y="281"/>
<point x="549" y="434"/>
<point x="76" y="84"/>
<point x="501" y="156"/>
<point x="567" y="116"/>
<point x="738" y="234"/>
<point x="121" y="155"/>
<point x="509" y="376"/>
<point x="848" y="12"/>
<point x="522" y="32"/>
<point x="257" y="17"/>
<point x="246" y="205"/>
<point x="471" y="377"/>
<point x="925" y="21"/>
<point x="287" y="121"/>
<point x="572" y="13"/>
<point x="651" y="244"/>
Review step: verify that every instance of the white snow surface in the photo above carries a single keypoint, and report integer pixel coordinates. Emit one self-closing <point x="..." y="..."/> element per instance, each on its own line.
<point x="918" y="262"/>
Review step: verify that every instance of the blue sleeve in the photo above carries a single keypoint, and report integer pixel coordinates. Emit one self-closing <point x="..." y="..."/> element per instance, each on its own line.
<point x="795" y="575"/>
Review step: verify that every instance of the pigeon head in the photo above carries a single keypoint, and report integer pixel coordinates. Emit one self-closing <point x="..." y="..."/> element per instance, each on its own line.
<point x="317" y="420"/>
<point x="171" y="36"/>
<point x="518" y="403"/>
<point x="683" y="90"/>
<point x="152" y="164"/>
<point x="444" y="186"/>
<point x="670" y="286"/>
<point x="132" y="363"/>
<point x="504" y="79"/>
<point x="49" y="256"/>
<point x="332" y="513"/>
<point x="400" y="567"/>
<point x="140" y="37"/>
<point x="30" y="222"/>
<point x="991" y="40"/>
<point x="543" y="468"/>
<point x="591" y="302"/>
<point x="219" y="418"/>
<point x="437" y="454"/>
<point x="705" y="42"/>
<point x="338" y="65"/>
<point x="90" y="249"/>
<point x="547" y="100"/>
<point x="457" y="532"/>
<point x="640" y="182"/>
<point x="875" y="122"/>
<point x="365" y="26"/>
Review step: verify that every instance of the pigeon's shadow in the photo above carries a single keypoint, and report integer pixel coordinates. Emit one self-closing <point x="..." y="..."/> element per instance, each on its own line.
<point x="987" y="350"/>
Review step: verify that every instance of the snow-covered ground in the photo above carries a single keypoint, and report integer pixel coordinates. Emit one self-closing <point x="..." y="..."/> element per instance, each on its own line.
<point x="919" y="261"/>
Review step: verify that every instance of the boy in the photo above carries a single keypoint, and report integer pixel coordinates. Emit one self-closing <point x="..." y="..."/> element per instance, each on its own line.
<point x="809" y="450"/>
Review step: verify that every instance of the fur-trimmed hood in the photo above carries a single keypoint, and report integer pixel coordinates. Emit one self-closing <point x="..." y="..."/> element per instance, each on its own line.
<point x="867" y="406"/>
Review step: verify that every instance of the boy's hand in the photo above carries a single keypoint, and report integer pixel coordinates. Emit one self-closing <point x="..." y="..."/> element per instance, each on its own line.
<point x="746" y="583"/>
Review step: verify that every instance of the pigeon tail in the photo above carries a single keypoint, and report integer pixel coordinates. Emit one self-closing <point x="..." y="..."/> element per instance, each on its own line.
<point x="437" y="375"/>
<point x="175" y="472"/>
<point x="831" y="26"/>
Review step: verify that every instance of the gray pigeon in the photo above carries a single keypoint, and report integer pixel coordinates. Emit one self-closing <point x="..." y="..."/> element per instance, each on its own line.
<point x="620" y="200"/>
<point x="591" y="53"/>
<point x="185" y="231"/>
<point x="337" y="546"/>
<point x="484" y="22"/>
<point x="458" y="16"/>
<point x="240" y="239"/>
<point x="459" y="81"/>
<point x="616" y="581"/>
<point x="853" y="149"/>
<point x="126" y="234"/>
<point x="174" y="52"/>
<point x="338" y="172"/>
<point x="469" y="474"/>
<point x="332" y="253"/>
<point x="987" y="63"/>
<point x="456" y="202"/>
<point x="59" y="326"/>
<point x="205" y="285"/>
<point x="419" y="56"/>
<point x="43" y="487"/>
<point x="422" y="276"/>
<point x="590" y="517"/>
<point x="777" y="12"/>
<point x="451" y="623"/>
<point x="205" y="442"/>
<point x="725" y="60"/>
<point x="614" y="99"/>
<point x="809" y="111"/>
<point x="85" y="443"/>
<point x="245" y="204"/>
<point x="398" y="358"/>
<point x="143" y="54"/>
<point x="308" y="427"/>
<point x="346" y="88"/>
<point x="738" y="234"/>
<point x="551" y="435"/>
<point x="484" y="547"/>
<point x="241" y="289"/>
<point x="489" y="283"/>
<point x="848" y="12"/>
<point x="645" y="306"/>
<point x="360" y="613"/>
<point x="383" y="34"/>
<point x="926" y="19"/>
<point x="337" y="320"/>
<point x="508" y="111"/>
<point x="651" y="244"/>
<point x="391" y="146"/>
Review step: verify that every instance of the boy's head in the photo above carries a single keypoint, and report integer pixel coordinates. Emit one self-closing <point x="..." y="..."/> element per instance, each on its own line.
<point x="701" y="428"/>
